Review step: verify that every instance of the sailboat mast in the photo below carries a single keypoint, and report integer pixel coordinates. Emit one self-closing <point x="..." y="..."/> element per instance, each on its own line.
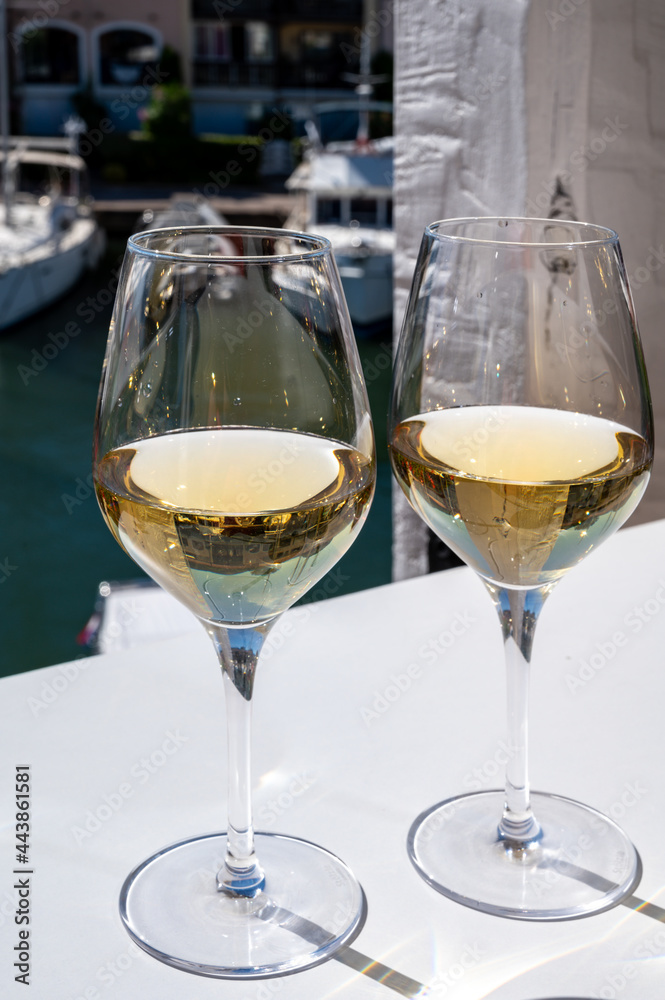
<point x="4" y="111"/>
<point x="364" y="88"/>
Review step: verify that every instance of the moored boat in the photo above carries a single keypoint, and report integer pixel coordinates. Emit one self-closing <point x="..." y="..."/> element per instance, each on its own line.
<point x="181" y="210"/>
<point x="48" y="232"/>
<point x="344" y="192"/>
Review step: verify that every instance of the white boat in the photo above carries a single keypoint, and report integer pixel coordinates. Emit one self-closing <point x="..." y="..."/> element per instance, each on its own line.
<point x="133" y="612"/>
<point x="48" y="233"/>
<point x="181" y="210"/>
<point x="344" y="192"/>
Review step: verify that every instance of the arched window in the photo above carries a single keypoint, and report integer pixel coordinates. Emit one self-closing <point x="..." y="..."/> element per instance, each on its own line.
<point x="50" y="55"/>
<point x="125" y="53"/>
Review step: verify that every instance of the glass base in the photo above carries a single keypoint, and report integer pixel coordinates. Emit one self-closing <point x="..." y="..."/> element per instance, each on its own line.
<point x="581" y="864"/>
<point x="311" y="906"/>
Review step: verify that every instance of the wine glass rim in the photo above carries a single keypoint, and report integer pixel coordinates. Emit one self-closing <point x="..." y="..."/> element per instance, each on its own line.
<point x="319" y="246"/>
<point x="596" y="235"/>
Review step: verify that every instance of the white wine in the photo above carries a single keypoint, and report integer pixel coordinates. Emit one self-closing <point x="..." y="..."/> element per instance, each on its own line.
<point x="520" y="493"/>
<point x="236" y="522"/>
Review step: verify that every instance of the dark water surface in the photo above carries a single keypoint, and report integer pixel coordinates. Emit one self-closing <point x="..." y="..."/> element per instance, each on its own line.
<point x="55" y="548"/>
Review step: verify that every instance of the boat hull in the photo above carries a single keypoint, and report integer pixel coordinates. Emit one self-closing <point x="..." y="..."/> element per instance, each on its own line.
<point x="368" y="287"/>
<point x="48" y="272"/>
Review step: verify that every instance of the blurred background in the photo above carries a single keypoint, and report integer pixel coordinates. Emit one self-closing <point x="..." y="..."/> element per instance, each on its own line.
<point x="136" y="114"/>
<point x="320" y="116"/>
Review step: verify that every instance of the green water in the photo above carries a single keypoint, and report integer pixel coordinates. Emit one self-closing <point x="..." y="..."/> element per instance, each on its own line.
<point x="54" y="547"/>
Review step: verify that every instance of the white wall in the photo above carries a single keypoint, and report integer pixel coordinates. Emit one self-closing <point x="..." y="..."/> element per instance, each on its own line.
<point x="495" y="99"/>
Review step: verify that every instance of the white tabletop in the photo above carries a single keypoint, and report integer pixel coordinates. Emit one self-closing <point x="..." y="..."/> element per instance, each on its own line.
<point x="374" y="706"/>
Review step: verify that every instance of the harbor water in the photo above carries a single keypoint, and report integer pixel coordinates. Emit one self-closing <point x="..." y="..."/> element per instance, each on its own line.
<point x="55" y="548"/>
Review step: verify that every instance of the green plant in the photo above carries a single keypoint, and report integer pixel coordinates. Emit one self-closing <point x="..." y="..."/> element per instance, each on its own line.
<point x="168" y="114"/>
<point x="87" y="106"/>
<point x="169" y="64"/>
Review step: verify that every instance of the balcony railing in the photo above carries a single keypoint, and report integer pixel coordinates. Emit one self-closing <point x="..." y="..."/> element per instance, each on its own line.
<point x="319" y="75"/>
<point x="240" y="10"/>
<point x="314" y="10"/>
<point x="279" y="11"/>
<point x="227" y="74"/>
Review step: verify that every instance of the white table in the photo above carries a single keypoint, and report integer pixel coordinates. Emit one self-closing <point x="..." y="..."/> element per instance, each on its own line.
<point x="360" y="724"/>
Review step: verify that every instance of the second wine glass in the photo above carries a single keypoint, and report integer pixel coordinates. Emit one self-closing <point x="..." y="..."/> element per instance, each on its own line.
<point x="521" y="432"/>
<point x="234" y="462"/>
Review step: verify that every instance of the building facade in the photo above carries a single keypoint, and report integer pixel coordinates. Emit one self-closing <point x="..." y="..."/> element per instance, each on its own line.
<point x="240" y="59"/>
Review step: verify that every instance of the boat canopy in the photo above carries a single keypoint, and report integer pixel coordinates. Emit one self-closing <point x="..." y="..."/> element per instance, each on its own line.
<point x="65" y="161"/>
<point x="348" y="174"/>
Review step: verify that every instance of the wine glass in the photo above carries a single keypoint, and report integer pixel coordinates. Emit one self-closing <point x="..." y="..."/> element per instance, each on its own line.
<point x="234" y="462"/>
<point x="521" y="433"/>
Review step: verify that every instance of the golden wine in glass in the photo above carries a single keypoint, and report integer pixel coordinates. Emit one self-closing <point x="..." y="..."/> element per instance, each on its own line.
<point x="234" y="462"/>
<point x="521" y="432"/>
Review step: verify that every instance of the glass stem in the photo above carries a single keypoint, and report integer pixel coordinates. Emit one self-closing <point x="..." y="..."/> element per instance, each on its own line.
<point x="238" y="651"/>
<point x="518" y="612"/>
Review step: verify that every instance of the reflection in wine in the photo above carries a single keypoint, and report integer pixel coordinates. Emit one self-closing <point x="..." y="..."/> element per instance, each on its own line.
<point x="525" y="502"/>
<point x="232" y="545"/>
